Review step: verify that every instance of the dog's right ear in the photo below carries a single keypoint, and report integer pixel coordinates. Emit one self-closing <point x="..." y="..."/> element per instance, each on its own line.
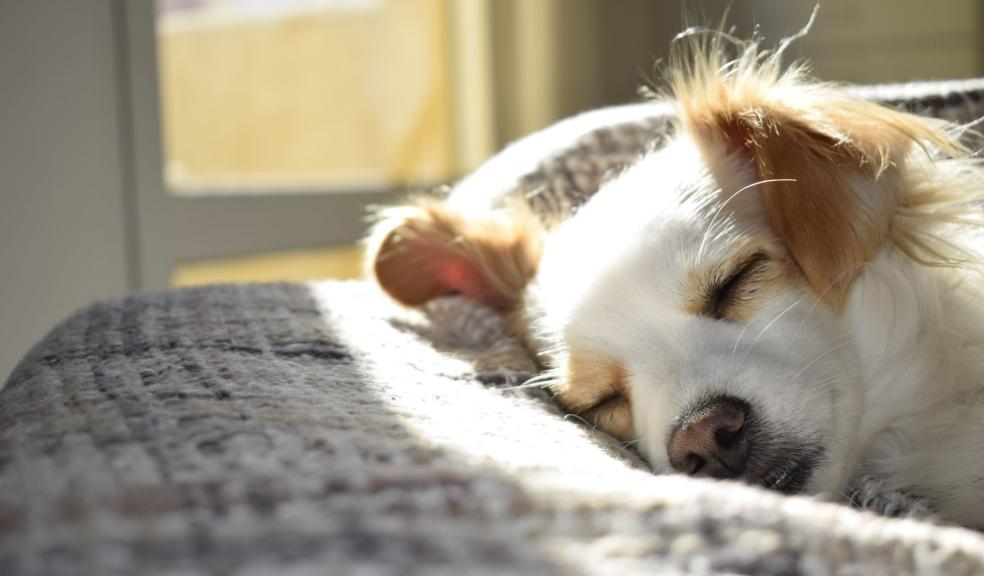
<point x="429" y="249"/>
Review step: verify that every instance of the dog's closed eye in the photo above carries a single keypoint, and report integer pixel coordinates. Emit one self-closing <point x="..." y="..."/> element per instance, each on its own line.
<point x="594" y="386"/>
<point x="729" y="294"/>
<point x="613" y="415"/>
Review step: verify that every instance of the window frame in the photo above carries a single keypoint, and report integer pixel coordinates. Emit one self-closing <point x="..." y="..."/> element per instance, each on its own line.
<point x="165" y="228"/>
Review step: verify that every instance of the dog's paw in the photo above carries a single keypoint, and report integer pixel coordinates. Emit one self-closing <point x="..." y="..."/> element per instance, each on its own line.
<point x="869" y="493"/>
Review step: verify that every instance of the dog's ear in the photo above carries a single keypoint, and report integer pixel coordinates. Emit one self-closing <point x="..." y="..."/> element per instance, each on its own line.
<point x="429" y="248"/>
<point x="832" y="165"/>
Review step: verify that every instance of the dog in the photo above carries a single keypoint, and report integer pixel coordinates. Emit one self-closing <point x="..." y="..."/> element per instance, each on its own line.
<point x="785" y="294"/>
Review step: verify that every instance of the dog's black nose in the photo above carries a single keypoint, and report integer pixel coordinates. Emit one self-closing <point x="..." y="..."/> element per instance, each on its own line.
<point x="712" y="439"/>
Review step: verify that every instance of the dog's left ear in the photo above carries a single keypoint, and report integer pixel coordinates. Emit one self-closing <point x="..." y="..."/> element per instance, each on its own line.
<point x="833" y="165"/>
<point x="429" y="248"/>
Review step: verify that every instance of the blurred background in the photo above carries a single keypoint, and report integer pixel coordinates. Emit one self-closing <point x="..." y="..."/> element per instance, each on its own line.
<point x="147" y="144"/>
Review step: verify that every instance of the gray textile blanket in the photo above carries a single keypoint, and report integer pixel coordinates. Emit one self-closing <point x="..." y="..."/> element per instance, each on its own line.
<point x="316" y="429"/>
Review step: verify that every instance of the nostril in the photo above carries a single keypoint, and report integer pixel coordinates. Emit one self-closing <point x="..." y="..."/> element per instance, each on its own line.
<point x="727" y="436"/>
<point x="710" y="439"/>
<point x="693" y="464"/>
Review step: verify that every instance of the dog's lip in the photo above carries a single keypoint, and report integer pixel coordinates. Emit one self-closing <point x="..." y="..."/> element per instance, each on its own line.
<point x="790" y="478"/>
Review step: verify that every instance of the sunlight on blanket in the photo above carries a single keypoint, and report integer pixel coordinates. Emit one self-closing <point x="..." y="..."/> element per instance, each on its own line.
<point x="452" y="394"/>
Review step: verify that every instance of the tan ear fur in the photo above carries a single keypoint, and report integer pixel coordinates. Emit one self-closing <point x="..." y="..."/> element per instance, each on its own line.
<point x="836" y="164"/>
<point x="593" y="386"/>
<point x="428" y="249"/>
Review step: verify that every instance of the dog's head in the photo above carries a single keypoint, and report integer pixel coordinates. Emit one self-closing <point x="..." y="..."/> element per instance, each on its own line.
<point x="697" y="302"/>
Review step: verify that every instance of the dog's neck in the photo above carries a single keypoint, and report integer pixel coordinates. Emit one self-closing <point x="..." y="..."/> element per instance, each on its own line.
<point x="920" y="337"/>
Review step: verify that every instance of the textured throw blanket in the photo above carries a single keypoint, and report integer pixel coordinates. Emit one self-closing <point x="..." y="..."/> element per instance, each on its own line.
<point x="320" y="429"/>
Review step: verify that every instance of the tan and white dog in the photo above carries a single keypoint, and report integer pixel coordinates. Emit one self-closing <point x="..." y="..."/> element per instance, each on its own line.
<point x="785" y="294"/>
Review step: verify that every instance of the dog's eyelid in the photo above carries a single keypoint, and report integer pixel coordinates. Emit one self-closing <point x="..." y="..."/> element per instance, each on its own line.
<point x="607" y="401"/>
<point x="611" y="414"/>
<point x="721" y="295"/>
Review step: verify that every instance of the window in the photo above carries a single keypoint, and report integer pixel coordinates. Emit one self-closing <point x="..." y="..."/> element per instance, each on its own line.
<point x="262" y="129"/>
<point x="304" y="94"/>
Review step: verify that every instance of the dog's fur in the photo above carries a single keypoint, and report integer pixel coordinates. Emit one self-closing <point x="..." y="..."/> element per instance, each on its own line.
<point x="806" y="252"/>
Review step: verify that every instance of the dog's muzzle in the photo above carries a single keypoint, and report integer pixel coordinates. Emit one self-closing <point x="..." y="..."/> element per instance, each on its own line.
<point x="712" y="439"/>
<point x="721" y="438"/>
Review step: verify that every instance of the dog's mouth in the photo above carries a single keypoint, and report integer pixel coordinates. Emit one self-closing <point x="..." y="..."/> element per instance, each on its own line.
<point x="789" y="475"/>
<point x="790" y="478"/>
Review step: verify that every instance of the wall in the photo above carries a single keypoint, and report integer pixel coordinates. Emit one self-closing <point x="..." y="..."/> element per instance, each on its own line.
<point x="883" y="40"/>
<point x="598" y="52"/>
<point x="61" y="197"/>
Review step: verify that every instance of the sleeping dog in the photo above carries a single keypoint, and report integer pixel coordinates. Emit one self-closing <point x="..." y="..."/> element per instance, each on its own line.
<point x="786" y="293"/>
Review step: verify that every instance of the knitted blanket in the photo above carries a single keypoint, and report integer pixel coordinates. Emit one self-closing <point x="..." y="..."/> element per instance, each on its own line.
<point x="315" y="429"/>
<point x="312" y="429"/>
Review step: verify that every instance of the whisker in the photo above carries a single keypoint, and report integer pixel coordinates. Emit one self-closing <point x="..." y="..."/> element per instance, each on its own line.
<point x="764" y="330"/>
<point x="714" y="217"/>
<point x="845" y="340"/>
<point x="816" y="303"/>
<point x="738" y="340"/>
<point x="539" y="381"/>
<point x="585" y="422"/>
